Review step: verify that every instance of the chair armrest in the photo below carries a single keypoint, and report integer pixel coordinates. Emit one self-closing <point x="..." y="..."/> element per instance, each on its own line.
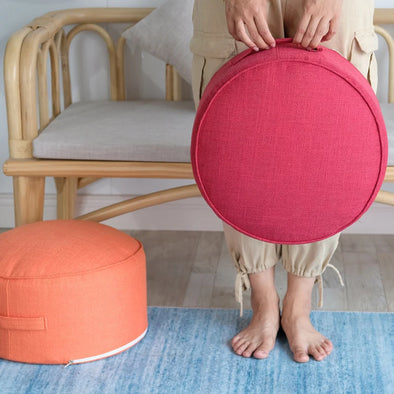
<point x="55" y="20"/>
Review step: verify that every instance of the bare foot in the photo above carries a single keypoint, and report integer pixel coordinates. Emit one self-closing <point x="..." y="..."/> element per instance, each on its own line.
<point x="258" y="339"/>
<point x="304" y="339"/>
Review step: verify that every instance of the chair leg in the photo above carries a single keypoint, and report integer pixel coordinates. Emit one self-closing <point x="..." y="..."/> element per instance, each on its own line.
<point x="28" y="199"/>
<point x="66" y="197"/>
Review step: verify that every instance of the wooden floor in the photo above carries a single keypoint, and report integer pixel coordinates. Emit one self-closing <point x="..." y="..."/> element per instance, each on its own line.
<point x="194" y="269"/>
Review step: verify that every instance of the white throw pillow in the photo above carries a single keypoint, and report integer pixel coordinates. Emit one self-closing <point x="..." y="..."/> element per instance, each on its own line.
<point x="166" y="33"/>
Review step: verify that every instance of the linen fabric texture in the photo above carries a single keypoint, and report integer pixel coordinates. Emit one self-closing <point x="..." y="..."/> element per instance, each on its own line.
<point x="70" y="290"/>
<point x="297" y="141"/>
<point x="146" y="130"/>
<point x="166" y="34"/>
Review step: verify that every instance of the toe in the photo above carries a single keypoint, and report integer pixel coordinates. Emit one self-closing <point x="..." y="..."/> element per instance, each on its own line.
<point x="260" y="354"/>
<point x="317" y="353"/>
<point x="240" y="348"/>
<point x="236" y="345"/>
<point x="321" y="351"/>
<point x="327" y="346"/>
<point x="235" y="340"/>
<point x="249" y="350"/>
<point x="301" y="355"/>
<point x="264" y="350"/>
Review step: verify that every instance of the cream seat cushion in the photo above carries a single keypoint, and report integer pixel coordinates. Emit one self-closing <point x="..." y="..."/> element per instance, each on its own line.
<point x="155" y="130"/>
<point x="146" y="130"/>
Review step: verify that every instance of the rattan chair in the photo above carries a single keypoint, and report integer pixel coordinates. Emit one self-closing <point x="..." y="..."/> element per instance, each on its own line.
<point x="25" y="64"/>
<point x="25" y="60"/>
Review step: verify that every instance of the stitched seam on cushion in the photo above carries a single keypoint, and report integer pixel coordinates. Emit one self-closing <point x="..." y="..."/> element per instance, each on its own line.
<point x="372" y="196"/>
<point x="64" y="275"/>
<point x="202" y="77"/>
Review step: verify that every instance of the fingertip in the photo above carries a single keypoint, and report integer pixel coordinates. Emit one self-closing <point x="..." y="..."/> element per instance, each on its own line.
<point x="327" y="37"/>
<point x="271" y="42"/>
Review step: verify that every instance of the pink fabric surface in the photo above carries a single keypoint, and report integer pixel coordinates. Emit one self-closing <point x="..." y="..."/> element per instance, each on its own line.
<point x="289" y="146"/>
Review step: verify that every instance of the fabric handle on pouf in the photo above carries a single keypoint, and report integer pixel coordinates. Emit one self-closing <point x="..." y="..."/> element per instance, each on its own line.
<point x="280" y="42"/>
<point x="22" y="323"/>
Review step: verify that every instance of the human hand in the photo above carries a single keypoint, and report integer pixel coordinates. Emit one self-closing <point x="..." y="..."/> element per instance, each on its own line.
<point x="318" y="23"/>
<point x="249" y="16"/>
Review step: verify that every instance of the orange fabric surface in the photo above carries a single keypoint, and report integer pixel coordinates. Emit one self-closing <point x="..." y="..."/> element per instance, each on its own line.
<point x="87" y="281"/>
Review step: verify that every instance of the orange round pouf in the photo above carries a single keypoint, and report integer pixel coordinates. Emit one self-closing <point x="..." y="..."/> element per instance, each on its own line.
<point x="70" y="292"/>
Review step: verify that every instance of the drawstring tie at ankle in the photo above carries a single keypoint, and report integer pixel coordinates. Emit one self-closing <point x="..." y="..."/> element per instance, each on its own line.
<point x="319" y="280"/>
<point x="242" y="284"/>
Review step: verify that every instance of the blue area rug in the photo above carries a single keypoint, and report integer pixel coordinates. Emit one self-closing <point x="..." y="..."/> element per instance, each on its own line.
<point x="188" y="351"/>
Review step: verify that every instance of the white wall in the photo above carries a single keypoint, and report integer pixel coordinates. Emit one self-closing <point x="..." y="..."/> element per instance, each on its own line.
<point x="191" y="214"/>
<point x="384" y="4"/>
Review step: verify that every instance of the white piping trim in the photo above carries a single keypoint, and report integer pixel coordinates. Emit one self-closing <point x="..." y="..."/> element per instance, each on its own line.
<point x="108" y="354"/>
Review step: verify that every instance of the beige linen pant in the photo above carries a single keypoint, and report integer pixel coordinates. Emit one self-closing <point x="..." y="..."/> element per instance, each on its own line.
<point x="212" y="46"/>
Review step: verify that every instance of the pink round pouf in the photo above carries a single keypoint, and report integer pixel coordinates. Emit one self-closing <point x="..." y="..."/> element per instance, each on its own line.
<point x="289" y="146"/>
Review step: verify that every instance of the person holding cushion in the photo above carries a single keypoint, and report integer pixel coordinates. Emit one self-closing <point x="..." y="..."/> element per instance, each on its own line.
<point x="222" y="29"/>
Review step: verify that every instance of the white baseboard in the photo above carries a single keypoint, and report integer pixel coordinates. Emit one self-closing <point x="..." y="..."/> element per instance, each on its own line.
<point x="191" y="214"/>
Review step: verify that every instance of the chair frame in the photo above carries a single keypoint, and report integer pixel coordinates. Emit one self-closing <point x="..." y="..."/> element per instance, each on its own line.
<point x="25" y="61"/>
